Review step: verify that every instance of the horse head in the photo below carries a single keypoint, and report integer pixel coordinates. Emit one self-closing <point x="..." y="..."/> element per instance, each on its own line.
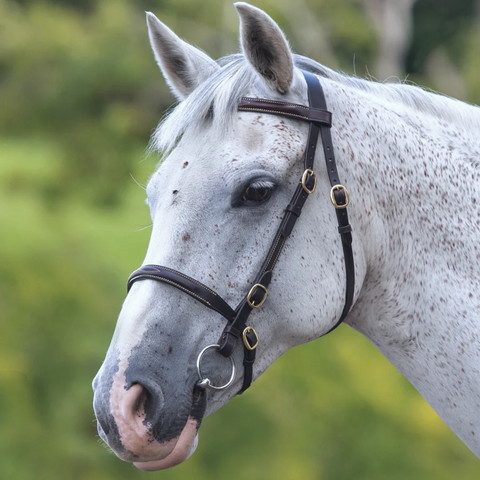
<point x="216" y="201"/>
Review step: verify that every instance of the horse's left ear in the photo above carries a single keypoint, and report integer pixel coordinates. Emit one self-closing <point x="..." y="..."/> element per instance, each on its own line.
<point x="265" y="46"/>
<point x="183" y="66"/>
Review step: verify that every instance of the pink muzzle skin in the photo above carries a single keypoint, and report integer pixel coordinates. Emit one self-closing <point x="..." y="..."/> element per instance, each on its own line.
<point x="127" y="408"/>
<point x="184" y="447"/>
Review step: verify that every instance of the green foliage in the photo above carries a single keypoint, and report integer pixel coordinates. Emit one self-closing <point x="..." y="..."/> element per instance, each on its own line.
<point x="86" y="82"/>
<point x="470" y="65"/>
<point x="80" y="94"/>
<point x="430" y="31"/>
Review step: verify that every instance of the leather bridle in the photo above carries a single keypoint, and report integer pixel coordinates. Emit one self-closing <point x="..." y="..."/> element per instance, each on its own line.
<point x="320" y="121"/>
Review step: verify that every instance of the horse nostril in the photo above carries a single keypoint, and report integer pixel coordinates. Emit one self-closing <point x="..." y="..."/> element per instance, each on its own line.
<point x="139" y="405"/>
<point x="141" y="402"/>
<point x="132" y="405"/>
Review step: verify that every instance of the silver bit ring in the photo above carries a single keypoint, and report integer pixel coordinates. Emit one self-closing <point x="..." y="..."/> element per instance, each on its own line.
<point x="205" y="382"/>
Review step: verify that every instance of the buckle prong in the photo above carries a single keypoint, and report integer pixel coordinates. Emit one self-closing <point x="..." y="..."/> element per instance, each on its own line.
<point x="245" y="339"/>
<point x="252" y="291"/>
<point x="308" y="173"/>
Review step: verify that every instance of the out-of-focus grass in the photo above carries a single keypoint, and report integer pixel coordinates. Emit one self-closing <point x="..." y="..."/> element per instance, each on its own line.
<point x="62" y="279"/>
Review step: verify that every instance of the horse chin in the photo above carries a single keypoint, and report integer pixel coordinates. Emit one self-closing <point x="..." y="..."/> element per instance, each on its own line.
<point x="184" y="447"/>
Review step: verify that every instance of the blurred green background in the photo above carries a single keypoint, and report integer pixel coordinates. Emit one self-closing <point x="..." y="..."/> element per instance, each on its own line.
<point x="79" y="96"/>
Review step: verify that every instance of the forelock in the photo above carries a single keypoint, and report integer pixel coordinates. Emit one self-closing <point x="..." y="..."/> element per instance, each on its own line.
<point x="215" y="100"/>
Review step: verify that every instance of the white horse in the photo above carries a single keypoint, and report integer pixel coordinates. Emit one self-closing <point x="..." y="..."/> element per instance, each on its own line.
<point x="411" y="162"/>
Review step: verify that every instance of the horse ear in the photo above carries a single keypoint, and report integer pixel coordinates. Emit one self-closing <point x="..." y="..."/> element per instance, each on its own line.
<point x="265" y="46"/>
<point x="183" y="66"/>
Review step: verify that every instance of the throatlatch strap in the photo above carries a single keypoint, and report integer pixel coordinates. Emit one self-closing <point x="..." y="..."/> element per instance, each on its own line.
<point x="340" y="196"/>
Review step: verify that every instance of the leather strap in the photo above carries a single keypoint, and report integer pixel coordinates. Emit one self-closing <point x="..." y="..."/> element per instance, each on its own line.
<point x="344" y="227"/>
<point x="299" y="112"/>
<point x="249" y="355"/>
<point x="320" y="122"/>
<point x="184" y="283"/>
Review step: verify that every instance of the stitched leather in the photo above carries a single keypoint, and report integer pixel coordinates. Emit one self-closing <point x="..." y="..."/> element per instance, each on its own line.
<point x="288" y="109"/>
<point x="184" y="283"/>
<point x="248" y="361"/>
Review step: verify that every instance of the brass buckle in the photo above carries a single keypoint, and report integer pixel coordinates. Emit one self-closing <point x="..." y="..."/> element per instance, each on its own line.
<point x="306" y="173"/>
<point x="332" y="197"/>
<point x="252" y="291"/>
<point x="245" y="339"/>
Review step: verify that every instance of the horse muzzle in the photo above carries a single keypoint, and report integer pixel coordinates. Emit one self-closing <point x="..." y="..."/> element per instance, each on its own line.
<point x="136" y="424"/>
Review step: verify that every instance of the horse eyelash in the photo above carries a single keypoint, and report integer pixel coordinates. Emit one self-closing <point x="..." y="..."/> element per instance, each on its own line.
<point x="262" y="184"/>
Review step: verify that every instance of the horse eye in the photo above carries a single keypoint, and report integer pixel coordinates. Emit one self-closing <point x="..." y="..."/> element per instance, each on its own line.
<point x="257" y="193"/>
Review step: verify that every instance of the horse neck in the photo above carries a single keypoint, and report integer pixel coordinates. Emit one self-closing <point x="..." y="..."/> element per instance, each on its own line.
<point x="414" y="182"/>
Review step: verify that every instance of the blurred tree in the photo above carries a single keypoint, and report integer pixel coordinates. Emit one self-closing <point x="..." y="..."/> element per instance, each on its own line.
<point x="440" y="45"/>
<point x="471" y="65"/>
<point x="393" y="22"/>
<point x="82" y="81"/>
<point x="83" y="5"/>
<point x="436" y="23"/>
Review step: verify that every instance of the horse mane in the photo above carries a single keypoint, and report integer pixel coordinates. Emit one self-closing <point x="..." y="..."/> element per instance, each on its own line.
<point x="216" y="100"/>
<point x="418" y="98"/>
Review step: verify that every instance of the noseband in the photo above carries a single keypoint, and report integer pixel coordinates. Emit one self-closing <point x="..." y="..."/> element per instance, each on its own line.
<point x="320" y="121"/>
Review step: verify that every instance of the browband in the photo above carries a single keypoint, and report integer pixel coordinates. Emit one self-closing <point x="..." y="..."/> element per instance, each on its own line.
<point x="320" y="122"/>
<point x="292" y="110"/>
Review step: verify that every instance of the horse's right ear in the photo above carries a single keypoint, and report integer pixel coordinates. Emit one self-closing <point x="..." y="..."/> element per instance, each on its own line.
<point x="183" y="66"/>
